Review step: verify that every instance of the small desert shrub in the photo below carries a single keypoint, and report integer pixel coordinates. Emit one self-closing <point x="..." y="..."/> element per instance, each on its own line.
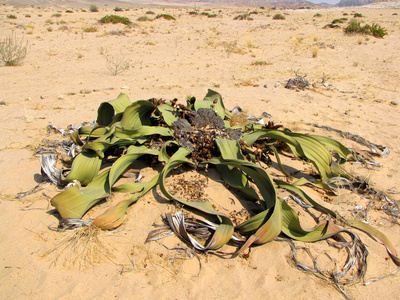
<point x="253" y="12"/>
<point x="57" y="15"/>
<point x="93" y="8"/>
<point x="315" y="50"/>
<point x="331" y="26"/>
<point x="345" y="14"/>
<point x="394" y="14"/>
<point x="166" y="17"/>
<point x="355" y="27"/>
<point x="118" y="8"/>
<point x="193" y="12"/>
<point x="12" y="50"/>
<point x="143" y="19"/>
<point x="68" y="11"/>
<point x="278" y="17"/>
<point x="317" y="15"/>
<point x="149" y="12"/>
<point x="116" y="63"/>
<point x="27" y="16"/>
<point x="337" y="21"/>
<point x="49" y="29"/>
<point x="63" y="28"/>
<point x="378" y="31"/>
<point x="116" y="32"/>
<point x="358" y="15"/>
<point x="259" y="63"/>
<point x="115" y="19"/>
<point x="243" y="17"/>
<point x="90" y="29"/>
<point x="11" y="17"/>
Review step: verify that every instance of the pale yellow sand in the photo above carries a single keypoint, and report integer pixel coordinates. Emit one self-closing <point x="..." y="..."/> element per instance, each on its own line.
<point x="171" y="59"/>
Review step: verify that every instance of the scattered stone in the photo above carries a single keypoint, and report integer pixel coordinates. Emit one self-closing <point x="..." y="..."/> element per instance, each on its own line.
<point x="266" y="115"/>
<point x="354" y="97"/>
<point x="85" y="91"/>
<point x="43" y="96"/>
<point x="96" y="90"/>
<point x="277" y="84"/>
<point x="109" y="89"/>
<point x="395" y="103"/>
<point x="125" y="88"/>
<point x="265" y="85"/>
<point x="61" y="97"/>
<point x="379" y="100"/>
<point x="3" y="103"/>
<point x="71" y="93"/>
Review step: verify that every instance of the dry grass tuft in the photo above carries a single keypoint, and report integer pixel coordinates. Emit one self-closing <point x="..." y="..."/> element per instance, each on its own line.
<point x="84" y="245"/>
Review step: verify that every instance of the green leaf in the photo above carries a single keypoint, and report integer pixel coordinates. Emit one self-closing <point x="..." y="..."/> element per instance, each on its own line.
<point x="213" y="101"/>
<point x="84" y="168"/>
<point x="137" y="114"/>
<point x="75" y="201"/>
<point x="107" y="110"/>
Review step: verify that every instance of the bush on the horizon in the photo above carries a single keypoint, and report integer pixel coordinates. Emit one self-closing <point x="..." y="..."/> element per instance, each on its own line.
<point x="114" y="19"/>
<point x="278" y="17"/>
<point x="166" y="17"/>
<point x="93" y="8"/>
<point x="375" y="30"/>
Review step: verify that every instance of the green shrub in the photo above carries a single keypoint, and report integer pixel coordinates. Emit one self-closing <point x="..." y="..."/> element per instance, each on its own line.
<point x="243" y="17"/>
<point x="378" y="31"/>
<point x="11" y="17"/>
<point x="358" y="15"/>
<point x="57" y="15"/>
<point x="355" y="27"/>
<point x="317" y="15"/>
<point x="278" y="17"/>
<point x="93" y="8"/>
<point x="115" y="19"/>
<point x="166" y="17"/>
<point x="89" y="29"/>
<point x="212" y="16"/>
<point x="143" y="19"/>
<point x="27" y="16"/>
<point x="149" y="12"/>
<point x="337" y="21"/>
<point x="68" y="11"/>
<point x="193" y="12"/>
<point x="118" y="8"/>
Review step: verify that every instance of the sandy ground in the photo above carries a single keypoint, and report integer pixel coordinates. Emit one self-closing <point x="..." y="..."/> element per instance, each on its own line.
<point x="65" y="77"/>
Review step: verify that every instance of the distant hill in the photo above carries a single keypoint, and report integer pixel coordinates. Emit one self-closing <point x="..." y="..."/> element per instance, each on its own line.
<point x="354" y="2"/>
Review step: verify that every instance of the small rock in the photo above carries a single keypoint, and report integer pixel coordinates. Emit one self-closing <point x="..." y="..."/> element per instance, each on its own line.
<point x="109" y="88"/>
<point x="354" y="97"/>
<point x="85" y="91"/>
<point x="379" y="100"/>
<point x="61" y="97"/>
<point x="3" y="103"/>
<point x="96" y="90"/>
<point x="71" y="93"/>
<point x="395" y="103"/>
<point x="266" y="115"/>
<point x="125" y="88"/>
<point x="265" y="85"/>
<point x="277" y="84"/>
<point x="43" y="96"/>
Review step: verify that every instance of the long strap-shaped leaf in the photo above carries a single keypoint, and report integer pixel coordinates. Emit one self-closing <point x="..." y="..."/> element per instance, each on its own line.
<point x="224" y="231"/>
<point x="75" y="201"/>
<point x="106" y="110"/>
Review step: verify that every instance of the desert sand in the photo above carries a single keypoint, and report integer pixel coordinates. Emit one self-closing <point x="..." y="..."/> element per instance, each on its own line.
<point x="64" y="78"/>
